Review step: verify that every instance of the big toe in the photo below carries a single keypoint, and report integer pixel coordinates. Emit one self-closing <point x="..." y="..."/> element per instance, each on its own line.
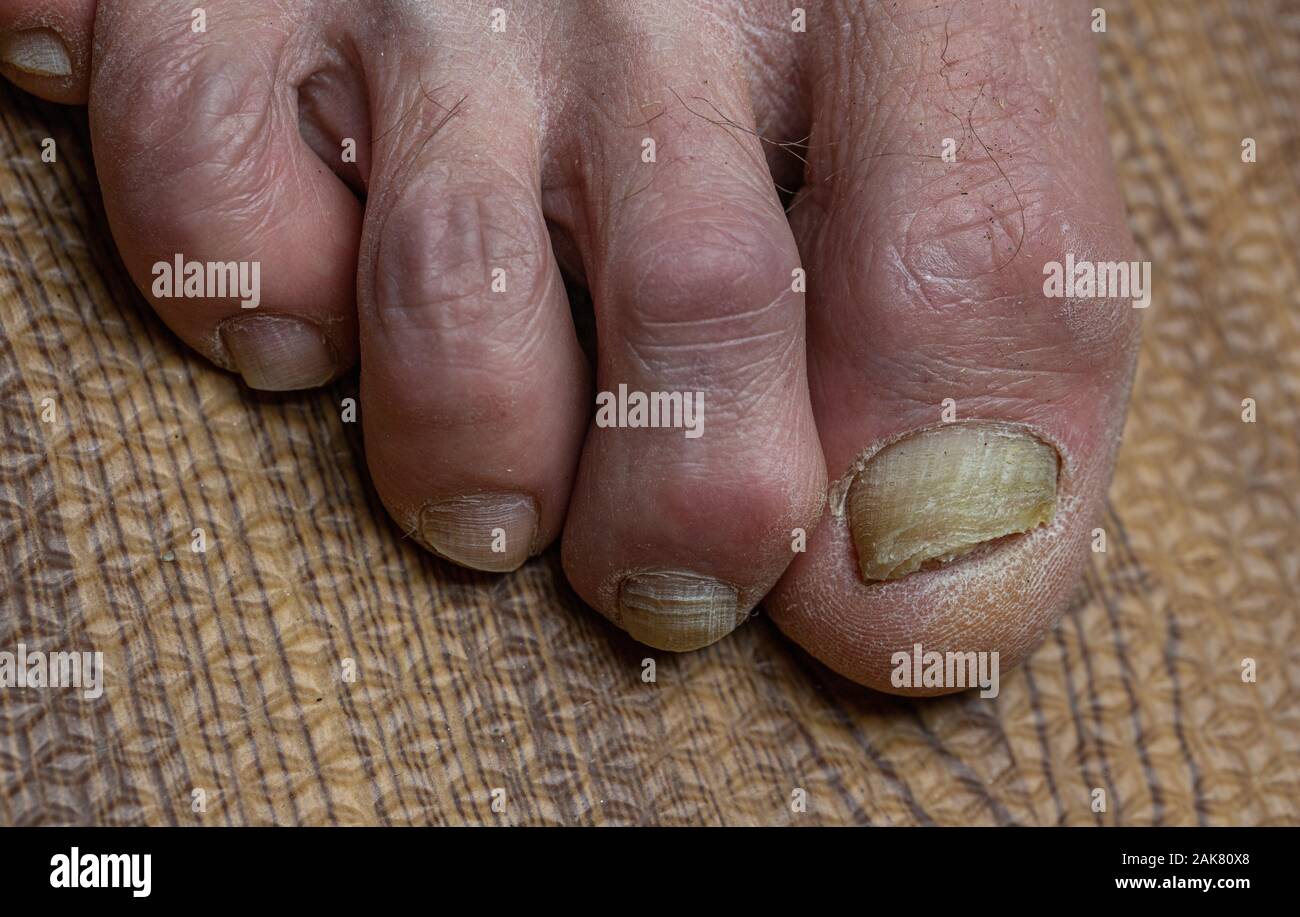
<point x="969" y="417"/>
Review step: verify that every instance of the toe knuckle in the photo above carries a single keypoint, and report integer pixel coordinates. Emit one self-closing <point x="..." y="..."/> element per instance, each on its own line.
<point x="182" y="99"/>
<point x="471" y="263"/>
<point x="197" y="125"/>
<point x="943" y="294"/>
<point x="689" y="283"/>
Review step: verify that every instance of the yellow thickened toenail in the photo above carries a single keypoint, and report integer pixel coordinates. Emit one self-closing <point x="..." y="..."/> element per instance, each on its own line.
<point x="941" y="493"/>
<point x="677" y="611"/>
<point x="490" y="532"/>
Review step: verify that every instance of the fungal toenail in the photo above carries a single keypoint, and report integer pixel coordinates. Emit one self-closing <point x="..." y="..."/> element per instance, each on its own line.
<point x="490" y="532"/>
<point x="941" y="493"/>
<point x="677" y="610"/>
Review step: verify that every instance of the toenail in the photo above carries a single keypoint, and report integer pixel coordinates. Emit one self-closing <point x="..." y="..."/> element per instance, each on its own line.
<point x="39" y="52"/>
<point x="492" y="532"/>
<point x="941" y="493"/>
<point x="276" y="353"/>
<point x="677" y="610"/>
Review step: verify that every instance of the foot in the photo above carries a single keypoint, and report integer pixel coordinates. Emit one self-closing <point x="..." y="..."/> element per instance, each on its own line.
<point x="968" y="422"/>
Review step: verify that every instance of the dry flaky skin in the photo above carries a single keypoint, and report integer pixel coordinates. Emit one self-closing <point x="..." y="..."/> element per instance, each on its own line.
<point x="941" y="493"/>
<point x="677" y="611"/>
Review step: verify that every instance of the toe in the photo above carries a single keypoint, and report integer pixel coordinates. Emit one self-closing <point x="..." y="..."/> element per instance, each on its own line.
<point x="243" y="240"/>
<point x="473" y="385"/>
<point x="969" y="420"/>
<point x="45" y="47"/>
<point x="676" y="529"/>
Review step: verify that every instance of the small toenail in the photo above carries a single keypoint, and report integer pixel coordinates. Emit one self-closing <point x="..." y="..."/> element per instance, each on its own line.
<point x="276" y="353"/>
<point x="491" y="532"/>
<point x="677" y="610"/>
<point x="39" y="52"/>
<point x="941" y="493"/>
